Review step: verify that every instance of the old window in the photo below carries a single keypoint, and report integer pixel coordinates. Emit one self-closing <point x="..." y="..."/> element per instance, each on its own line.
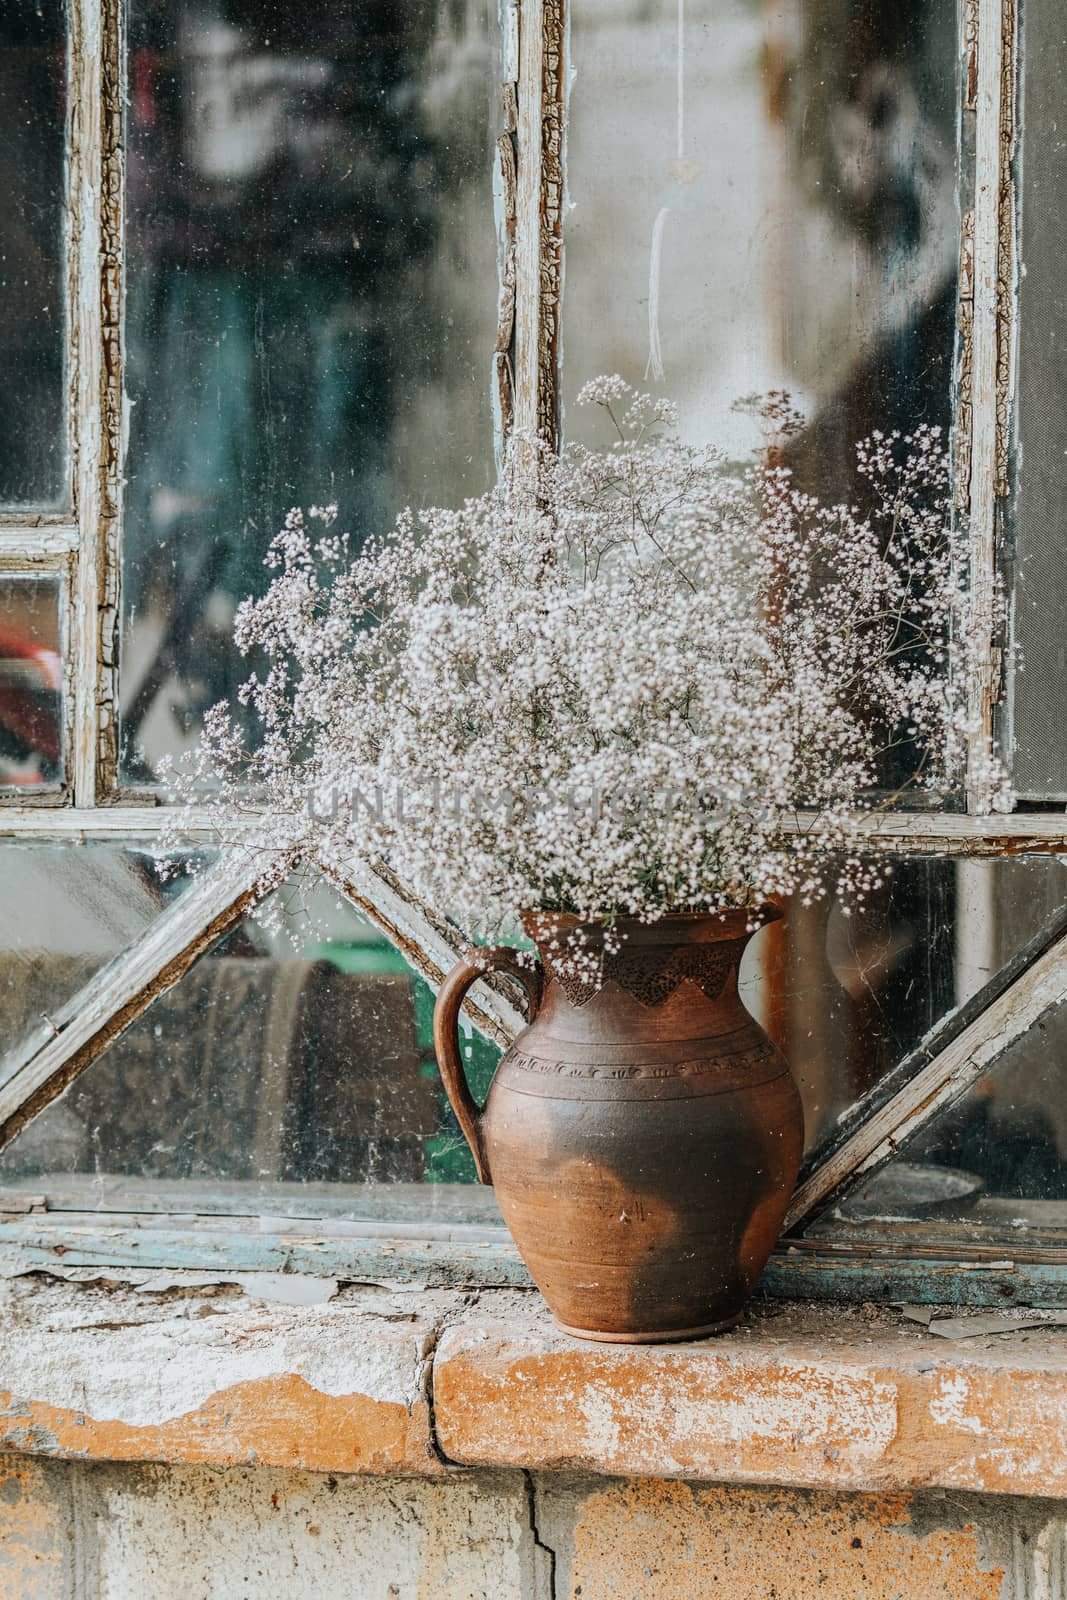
<point x="260" y="255"/>
<point x="310" y="298"/>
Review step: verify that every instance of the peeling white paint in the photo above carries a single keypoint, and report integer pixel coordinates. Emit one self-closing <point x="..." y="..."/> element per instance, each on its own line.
<point x="115" y="1355"/>
<point x="810" y="1407"/>
<point x="949" y="1406"/>
<point x="600" y="1414"/>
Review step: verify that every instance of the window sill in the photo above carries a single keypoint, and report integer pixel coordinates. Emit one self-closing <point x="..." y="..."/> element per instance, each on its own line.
<point x="415" y="1381"/>
<point x="835" y="1397"/>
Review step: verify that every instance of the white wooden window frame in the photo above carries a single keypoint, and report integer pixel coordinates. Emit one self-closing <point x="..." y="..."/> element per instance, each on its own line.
<point x="83" y="548"/>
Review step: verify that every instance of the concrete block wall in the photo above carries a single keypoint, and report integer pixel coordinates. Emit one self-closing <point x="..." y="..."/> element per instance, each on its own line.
<point x="101" y="1531"/>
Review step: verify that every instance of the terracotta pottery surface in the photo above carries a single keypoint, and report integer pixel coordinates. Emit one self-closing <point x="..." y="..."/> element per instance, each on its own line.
<point x="643" y="1136"/>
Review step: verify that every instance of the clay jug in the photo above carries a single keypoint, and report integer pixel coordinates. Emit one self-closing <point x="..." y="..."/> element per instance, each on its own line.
<point x="643" y="1135"/>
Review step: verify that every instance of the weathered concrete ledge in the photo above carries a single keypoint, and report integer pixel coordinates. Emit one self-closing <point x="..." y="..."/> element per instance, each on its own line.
<point x="210" y="1373"/>
<point x="369" y="1380"/>
<point x="829" y="1397"/>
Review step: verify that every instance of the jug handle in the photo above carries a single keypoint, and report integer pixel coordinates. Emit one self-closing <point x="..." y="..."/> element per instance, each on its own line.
<point x="498" y="958"/>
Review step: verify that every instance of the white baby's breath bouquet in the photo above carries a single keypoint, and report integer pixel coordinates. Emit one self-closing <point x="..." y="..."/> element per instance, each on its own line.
<point x="611" y="685"/>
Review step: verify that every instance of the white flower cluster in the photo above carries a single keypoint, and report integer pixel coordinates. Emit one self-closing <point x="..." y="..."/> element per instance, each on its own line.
<point x="611" y="684"/>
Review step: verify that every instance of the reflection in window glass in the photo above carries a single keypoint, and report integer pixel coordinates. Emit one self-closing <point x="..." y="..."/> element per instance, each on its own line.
<point x="290" y="1070"/>
<point x="33" y="100"/>
<point x="996" y="1159"/>
<point x="69" y="909"/>
<point x="1009" y="1133"/>
<point x="31" y="682"/>
<point x="849" y="995"/>
<point x="764" y="198"/>
<point x="311" y="306"/>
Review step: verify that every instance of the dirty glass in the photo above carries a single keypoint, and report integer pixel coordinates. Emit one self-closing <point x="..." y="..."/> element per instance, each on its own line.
<point x="1034" y="725"/>
<point x="290" y="1071"/>
<point x="31" y="683"/>
<point x="763" y="197"/>
<point x="994" y="1159"/>
<point x="850" y="993"/>
<point x="994" y="1162"/>
<point x="69" y="909"/>
<point x="311" y="304"/>
<point x="33" y="114"/>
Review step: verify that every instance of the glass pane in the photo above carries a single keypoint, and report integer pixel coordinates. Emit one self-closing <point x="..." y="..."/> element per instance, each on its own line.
<point x="764" y="198"/>
<point x="996" y="1160"/>
<point x="849" y="996"/>
<point x="311" y="308"/>
<point x="69" y="909"/>
<point x="290" y="1071"/>
<point x="1009" y="1133"/>
<point x="33" y="113"/>
<point x="1036" y="726"/>
<point x="31" y="682"/>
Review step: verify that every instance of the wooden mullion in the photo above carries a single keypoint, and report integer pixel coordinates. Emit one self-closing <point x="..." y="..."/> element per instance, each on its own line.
<point x="95" y="230"/>
<point x="993" y="102"/>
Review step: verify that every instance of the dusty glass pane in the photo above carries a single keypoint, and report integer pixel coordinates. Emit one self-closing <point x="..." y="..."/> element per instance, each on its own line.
<point x="764" y="197"/>
<point x="996" y="1160"/>
<point x="290" y="1071"/>
<point x="1010" y="1133"/>
<point x="1034" y="727"/>
<point x="311" y="308"/>
<point x="68" y="909"/>
<point x="849" y="996"/>
<point x="31" y="682"/>
<point x="33" y="111"/>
